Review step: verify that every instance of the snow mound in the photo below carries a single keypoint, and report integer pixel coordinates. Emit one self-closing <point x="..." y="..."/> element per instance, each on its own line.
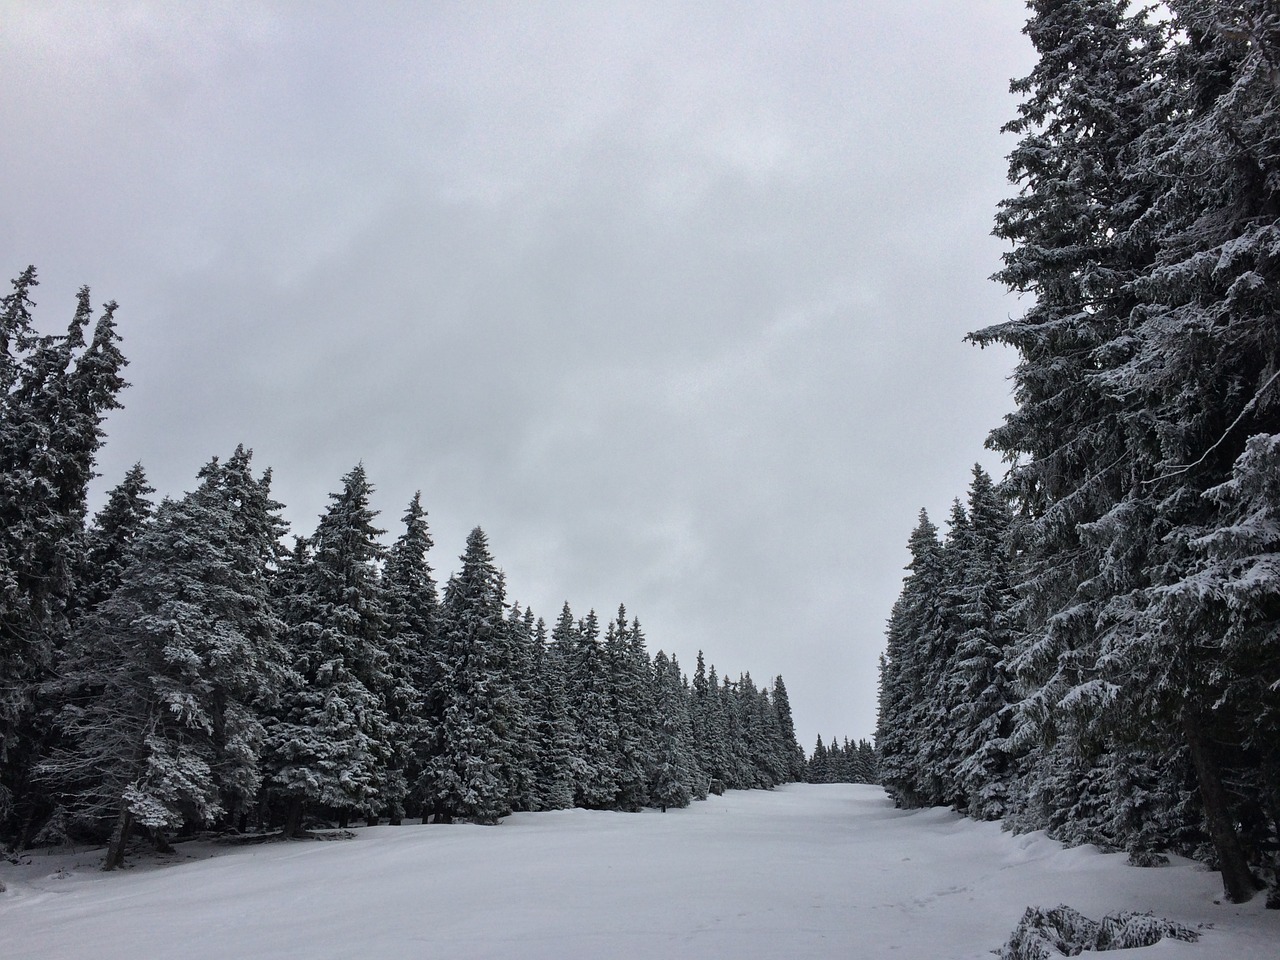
<point x="1063" y="932"/>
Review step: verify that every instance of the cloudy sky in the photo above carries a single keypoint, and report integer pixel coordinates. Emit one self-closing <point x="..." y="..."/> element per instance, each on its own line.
<point x="669" y="298"/>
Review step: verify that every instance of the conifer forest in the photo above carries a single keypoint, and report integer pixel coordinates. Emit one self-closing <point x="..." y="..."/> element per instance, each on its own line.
<point x="175" y="667"/>
<point x="1087" y="645"/>
<point x="1092" y="645"/>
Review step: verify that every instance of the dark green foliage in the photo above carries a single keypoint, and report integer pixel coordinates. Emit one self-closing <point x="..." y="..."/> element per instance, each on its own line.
<point x="847" y="763"/>
<point x="330" y="743"/>
<point x="1136" y="653"/>
<point x="414" y="699"/>
<point x="111" y="535"/>
<point x="165" y="681"/>
<point x="468" y="774"/>
<point x="55" y="391"/>
<point x="179" y="668"/>
<point x="675" y="775"/>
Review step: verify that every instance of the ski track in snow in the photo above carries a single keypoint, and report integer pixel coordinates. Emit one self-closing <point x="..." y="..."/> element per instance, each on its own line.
<point x="800" y="872"/>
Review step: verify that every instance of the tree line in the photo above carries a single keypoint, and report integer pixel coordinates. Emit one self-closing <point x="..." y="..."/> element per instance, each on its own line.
<point x="1093" y="646"/>
<point x="173" y="666"/>
<point x="843" y="763"/>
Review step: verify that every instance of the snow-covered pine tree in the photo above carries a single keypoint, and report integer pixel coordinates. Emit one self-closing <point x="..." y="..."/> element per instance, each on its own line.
<point x="979" y="685"/>
<point x="1205" y="372"/>
<point x="556" y="743"/>
<point x="904" y="677"/>
<point x="793" y="752"/>
<point x="330" y="741"/>
<point x="936" y="780"/>
<point x="717" y="762"/>
<point x="175" y="665"/>
<point x="522" y="746"/>
<point x="701" y="783"/>
<point x="1145" y="230"/>
<point x="699" y="715"/>
<point x="111" y="534"/>
<point x="1080" y="241"/>
<point x="673" y="771"/>
<point x="416" y="695"/>
<point x="596" y="777"/>
<point x="738" y="771"/>
<point x="466" y="776"/>
<point x="630" y="681"/>
<point x="818" y="763"/>
<point x="54" y="393"/>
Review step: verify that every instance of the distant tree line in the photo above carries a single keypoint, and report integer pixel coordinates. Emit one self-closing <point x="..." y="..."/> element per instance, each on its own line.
<point x="843" y="763"/>
<point x="176" y="666"/>
<point x="1094" y="645"/>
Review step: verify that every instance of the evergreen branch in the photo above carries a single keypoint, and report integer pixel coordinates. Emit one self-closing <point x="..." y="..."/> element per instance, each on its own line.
<point x="1182" y="468"/>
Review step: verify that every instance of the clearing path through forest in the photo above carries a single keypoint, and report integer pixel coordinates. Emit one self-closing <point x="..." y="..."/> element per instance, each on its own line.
<point x="804" y="871"/>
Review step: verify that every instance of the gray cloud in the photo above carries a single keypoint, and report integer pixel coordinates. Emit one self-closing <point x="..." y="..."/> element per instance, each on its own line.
<point x="669" y="300"/>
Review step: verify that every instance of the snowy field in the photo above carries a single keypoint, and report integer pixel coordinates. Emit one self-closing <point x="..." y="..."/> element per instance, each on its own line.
<point x="803" y="871"/>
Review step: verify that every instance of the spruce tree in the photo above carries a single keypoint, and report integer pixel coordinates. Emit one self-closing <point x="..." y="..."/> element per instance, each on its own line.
<point x="793" y="753"/>
<point x="906" y="678"/>
<point x="1144" y="230"/>
<point x="630" y="684"/>
<point x="415" y="694"/>
<point x="54" y="394"/>
<point x="331" y="741"/>
<point x="111" y="534"/>
<point x="673" y="771"/>
<point x="173" y="670"/>
<point x="595" y="776"/>
<point x="467" y="775"/>
<point x="557" y="746"/>
<point x="980" y="691"/>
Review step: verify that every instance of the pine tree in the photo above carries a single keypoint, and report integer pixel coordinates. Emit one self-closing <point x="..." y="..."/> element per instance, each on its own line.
<point x="596" y="777"/>
<point x="631" y="695"/>
<point x="557" y="746"/>
<point x="414" y="703"/>
<point x="174" y="668"/>
<point x="905" y="678"/>
<point x="467" y="775"/>
<point x="111" y="534"/>
<point x="331" y="741"/>
<point x="818" y="763"/>
<point x="980" y="688"/>
<point x="674" y="769"/>
<point x="1205" y="374"/>
<point x="717" y="757"/>
<point x="1144" y="230"/>
<point x="793" y="753"/>
<point x="54" y="393"/>
<point x="521" y="676"/>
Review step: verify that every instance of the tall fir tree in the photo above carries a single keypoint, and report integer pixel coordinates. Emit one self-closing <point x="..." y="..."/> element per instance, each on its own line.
<point x="174" y="668"/>
<point x="905" y="676"/>
<point x="467" y="774"/>
<point x="792" y="751"/>
<point x="55" y="392"/>
<point x="415" y="704"/>
<point x="330" y="742"/>
<point x="673" y="772"/>
<point x="111" y="535"/>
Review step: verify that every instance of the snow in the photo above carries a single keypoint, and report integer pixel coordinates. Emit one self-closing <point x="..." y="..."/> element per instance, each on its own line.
<point x="801" y="871"/>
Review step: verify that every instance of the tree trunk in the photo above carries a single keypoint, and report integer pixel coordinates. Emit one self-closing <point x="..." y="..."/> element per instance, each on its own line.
<point x="1238" y="882"/>
<point x="293" y="818"/>
<point x="119" y="839"/>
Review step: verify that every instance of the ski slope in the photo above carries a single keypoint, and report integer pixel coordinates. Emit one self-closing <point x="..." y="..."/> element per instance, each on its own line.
<point x="803" y="871"/>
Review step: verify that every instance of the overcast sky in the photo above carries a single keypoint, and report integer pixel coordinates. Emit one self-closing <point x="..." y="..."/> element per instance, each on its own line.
<point x="669" y="298"/>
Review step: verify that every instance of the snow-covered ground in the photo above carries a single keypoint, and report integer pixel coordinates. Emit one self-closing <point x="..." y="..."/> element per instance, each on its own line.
<point x="803" y="871"/>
